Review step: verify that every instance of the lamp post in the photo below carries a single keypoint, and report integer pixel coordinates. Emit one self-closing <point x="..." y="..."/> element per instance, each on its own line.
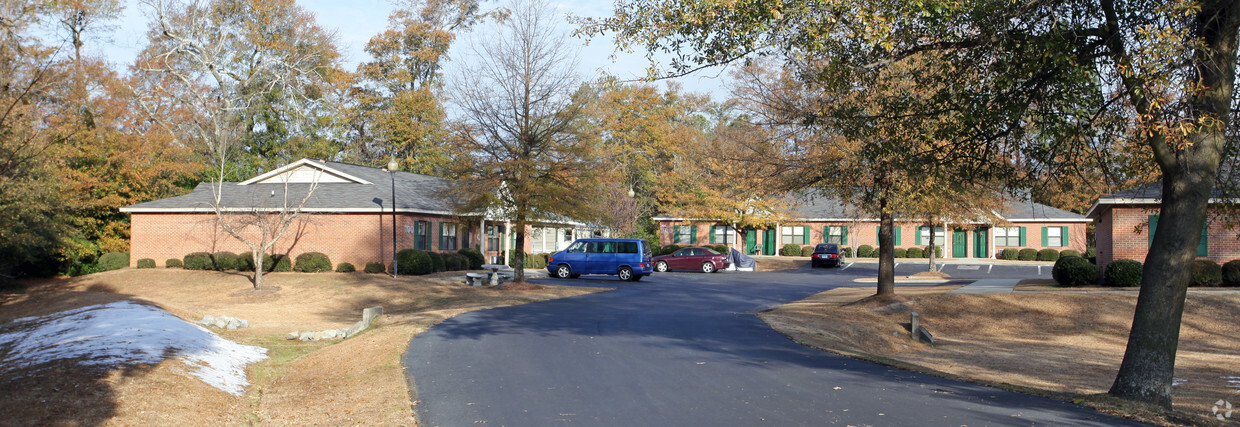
<point x="392" y="165"/>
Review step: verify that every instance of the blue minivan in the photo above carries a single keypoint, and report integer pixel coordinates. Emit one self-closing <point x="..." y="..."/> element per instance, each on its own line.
<point x="628" y="259"/>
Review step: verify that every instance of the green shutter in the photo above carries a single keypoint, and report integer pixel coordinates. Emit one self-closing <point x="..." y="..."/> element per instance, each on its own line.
<point x="693" y="235"/>
<point x="878" y="231"/>
<point x="917" y="237"/>
<point x="1063" y="236"/>
<point x="805" y="238"/>
<point x="1203" y="247"/>
<point x="826" y="233"/>
<point x="1153" y="225"/>
<point x="712" y="234"/>
<point x="1022" y="237"/>
<point x="441" y="235"/>
<point x="844" y="235"/>
<point x="898" y="235"/>
<point x="1045" y="236"/>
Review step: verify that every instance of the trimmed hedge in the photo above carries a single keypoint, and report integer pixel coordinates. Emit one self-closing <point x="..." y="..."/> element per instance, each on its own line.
<point x="1074" y="271"/>
<point x="807" y="251"/>
<point x="1091" y="253"/>
<point x="199" y="261"/>
<point x="225" y="261"/>
<point x="900" y="253"/>
<point x="474" y="256"/>
<point x="146" y="263"/>
<point x="245" y="262"/>
<point x="1048" y="255"/>
<point x="938" y="251"/>
<point x="345" y="267"/>
<point x="845" y="251"/>
<point x="437" y="262"/>
<point x="282" y="265"/>
<point x="866" y="251"/>
<point x="455" y="262"/>
<point x="1122" y="272"/>
<point x="312" y="262"/>
<point x="172" y="262"/>
<point x="374" y="268"/>
<point x="1206" y="273"/>
<point x="1231" y="273"/>
<point x="665" y="250"/>
<point x="723" y="249"/>
<point x="1009" y="254"/>
<point x="1069" y="252"/>
<point x="113" y="261"/>
<point x="413" y="261"/>
<point x="790" y="249"/>
<point x="915" y="253"/>
<point x="1027" y="254"/>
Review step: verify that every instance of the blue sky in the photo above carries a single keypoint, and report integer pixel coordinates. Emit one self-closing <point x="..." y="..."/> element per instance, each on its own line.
<point x="355" y="21"/>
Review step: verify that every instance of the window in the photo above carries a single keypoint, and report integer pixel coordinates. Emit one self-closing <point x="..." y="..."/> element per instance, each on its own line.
<point x="1054" y="237"/>
<point x="627" y="247"/>
<point x="835" y="234"/>
<point x="493" y="232"/>
<point x="421" y="235"/>
<point x="723" y="234"/>
<point x="923" y="236"/>
<point x="1203" y="245"/>
<point x="685" y="234"/>
<point x="543" y="240"/>
<point x="1007" y="237"/>
<point x="794" y="235"/>
<point x="447" y="236"/>
<point x="577" y="248"/>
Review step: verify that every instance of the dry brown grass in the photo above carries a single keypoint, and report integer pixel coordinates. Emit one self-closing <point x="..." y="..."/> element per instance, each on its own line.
<point x="355" y="381"/>
<point x="1065" y="344"/>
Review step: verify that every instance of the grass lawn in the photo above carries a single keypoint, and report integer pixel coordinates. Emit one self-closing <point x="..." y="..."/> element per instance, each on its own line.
<point x="355" y="381"/>
<point x="1064" y="345"/>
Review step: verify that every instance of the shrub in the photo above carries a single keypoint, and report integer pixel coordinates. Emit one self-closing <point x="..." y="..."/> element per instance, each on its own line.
<point x="1074" y="271"/>
<point x="345" y="267"/>
<point x="938" y="252"/>
<point x="199" y="261"/>
<point x="146" y="263"/>
<point x="915" y="253"/>
<point x="113" y="261"/>
<point x="666" y="250"/>
<point x="1091" y="253"/>
<point x="282" y="263"/>
<point x="474" y="256"/>
<point x="723" y="249"/>
<point x="1231" y="273"/>
<point x="455" y="262"/>
<point x="1027" y="254"/>
<point x="172" y="262"/>
<point x="245" y="262"/>
<point x="866" y="251"/>
<point x="413" y="261"/>
<point x="225" y="261"/>
<point x="312" y="262"/>
<point x="540" y="261"/>
<point x="437" y="262"/>
<point x="1069" y="252"/>
<point x="899" y="253"/>
<point x="846" y="252"/>
<point x="1206" y="273"/>
<point x="374" y="268"/>
<point x="1122" y="272"/>
<point x="1048" y="255"/>
<point x="1009" y="254"/>
<point x="791" y="249"/>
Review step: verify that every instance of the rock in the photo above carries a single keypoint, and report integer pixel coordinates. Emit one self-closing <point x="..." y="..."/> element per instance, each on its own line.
<point x="233" y="324"/>
<point x="344" y="333"/>
<point x="369" y="314"/>
<point x="221" y="323"/>
<point x="306" y="336"/>
<point x="245" y="323"/>
<point x="292" y="335"/>
<point x="207" y="320"/>
<point x="317" y="336"/>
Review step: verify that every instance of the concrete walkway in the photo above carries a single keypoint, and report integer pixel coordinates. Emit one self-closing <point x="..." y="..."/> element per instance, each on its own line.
<point x="988" y="286"/>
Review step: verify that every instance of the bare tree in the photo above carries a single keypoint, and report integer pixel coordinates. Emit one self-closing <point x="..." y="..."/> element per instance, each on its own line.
<point x="220" y="60"/>
<point x="519" y="154"/>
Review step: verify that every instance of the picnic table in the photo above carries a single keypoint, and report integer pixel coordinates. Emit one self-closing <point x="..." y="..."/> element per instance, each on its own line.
<point x="494" y="274"/>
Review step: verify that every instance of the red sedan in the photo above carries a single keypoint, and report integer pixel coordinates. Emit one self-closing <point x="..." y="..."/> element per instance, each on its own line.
<point x="703" y="259"/>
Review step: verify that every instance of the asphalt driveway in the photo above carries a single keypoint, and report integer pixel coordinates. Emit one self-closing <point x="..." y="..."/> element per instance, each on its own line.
<point x="684" y="349"/>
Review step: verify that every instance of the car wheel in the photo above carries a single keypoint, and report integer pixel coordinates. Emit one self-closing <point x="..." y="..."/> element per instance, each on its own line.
<point x="562" y="271"/>
<point x="625" y="274"/>
<point x="660" y="266"/>
<point x="708" y="267"/>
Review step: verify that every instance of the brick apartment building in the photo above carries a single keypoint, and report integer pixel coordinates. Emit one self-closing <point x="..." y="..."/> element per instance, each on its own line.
<point x="348" y="216"/>
<point x="826" y="220"/>
<point x="1126" y="221"/>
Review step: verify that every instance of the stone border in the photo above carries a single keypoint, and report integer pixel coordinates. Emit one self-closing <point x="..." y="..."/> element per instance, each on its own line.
<point x="368" y="317"/>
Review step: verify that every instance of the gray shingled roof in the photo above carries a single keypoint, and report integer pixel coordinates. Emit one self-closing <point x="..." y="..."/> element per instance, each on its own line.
<point x="831" y="209"/>
<point x="414" y="193"/>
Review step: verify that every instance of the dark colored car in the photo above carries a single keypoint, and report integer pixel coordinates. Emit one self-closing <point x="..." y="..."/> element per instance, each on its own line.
<point x="628" y="259"/>
<point x="827" y="254"/>
<point x="703" y="259"/>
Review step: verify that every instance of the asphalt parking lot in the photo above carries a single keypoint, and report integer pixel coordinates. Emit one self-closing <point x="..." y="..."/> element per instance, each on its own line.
<point x="976" y="270"/>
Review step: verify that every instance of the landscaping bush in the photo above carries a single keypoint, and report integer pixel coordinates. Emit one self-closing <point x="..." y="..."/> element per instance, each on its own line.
<point x="846" y="252"/>
<point x="512" y="258"/>
<point x="199" y="261"/>
<point x="1122" y="272"/>
<point x="1091" y="253"/>
<point x="455" y="262"/>
<point x="540" y="261"/>
<point x="790" y="250"/>
<point x="282" y="263"/>
<point x="374" y="268"/>
<point x="807" y="251"/>
<point x="938" y="252"/>
<point x="723" y="249"/>
<point x="866" y="251"/>
<point x="1206" y="273"/>
<point x="474" y="256"/>
<point x="1069" y="252"/>
<point x="1048" y="255"/>
<point x="312" y="262"/>
<point x="146" y="263"/>
<point x="1027" y="254"/>
<point x="225" y="261"/>
<point x="1074" y="271"/>
<point x="413" y="261"/>
<point x="1009" y="254"/>
<point x="172" y="262"/>
<point x="437" y="262"/>
<point x="345" y="267"/>
<point x="899" y="253"/>
<point x="666" y="250"/>
<point x="245" y="262"/>
<point x="1231" y="273"/>
<point x="113" y="261"/>
<point x="915" y="253"/>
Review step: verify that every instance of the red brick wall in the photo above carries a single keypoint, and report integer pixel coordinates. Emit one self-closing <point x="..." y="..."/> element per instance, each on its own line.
<point x="352" y="238"/>
<point x="1123" y="233"/>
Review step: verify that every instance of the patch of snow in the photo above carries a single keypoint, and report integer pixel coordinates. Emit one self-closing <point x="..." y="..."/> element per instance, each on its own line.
<point x="127" y="333"/>
<point x="1175" y="382"/>
<point x="1233" y="382"/>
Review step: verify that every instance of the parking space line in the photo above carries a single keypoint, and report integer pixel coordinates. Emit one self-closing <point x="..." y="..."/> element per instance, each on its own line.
<point x="989" y="268"/>
<point x="1039" y="270"/>
<point x="941" y="267"/>
<point x="846" y="266"/>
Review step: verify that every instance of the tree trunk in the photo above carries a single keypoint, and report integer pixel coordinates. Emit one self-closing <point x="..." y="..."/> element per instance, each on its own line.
<point x="886" y="251"/>
<point x="1148" y="367"/>
<point x="931" y="254"/>
<point x="257" y="257"/>
<point x="518" y="252"/>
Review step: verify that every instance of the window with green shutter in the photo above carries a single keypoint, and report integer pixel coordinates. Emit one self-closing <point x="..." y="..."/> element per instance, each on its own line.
<point x="1203" y="247"/>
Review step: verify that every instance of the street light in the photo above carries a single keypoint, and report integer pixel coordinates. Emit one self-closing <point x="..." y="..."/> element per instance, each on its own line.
<point x="391" y="166"/>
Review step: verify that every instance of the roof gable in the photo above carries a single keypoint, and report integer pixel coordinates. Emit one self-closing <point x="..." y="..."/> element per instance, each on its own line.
<point x="305" y="171"/>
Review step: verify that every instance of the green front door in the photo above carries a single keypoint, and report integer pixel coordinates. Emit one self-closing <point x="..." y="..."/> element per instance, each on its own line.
<point x="768" y="243"/>
<point x="960" y="244"/>
<point x="751" y="239"/>
<point x="981" y="243"/>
